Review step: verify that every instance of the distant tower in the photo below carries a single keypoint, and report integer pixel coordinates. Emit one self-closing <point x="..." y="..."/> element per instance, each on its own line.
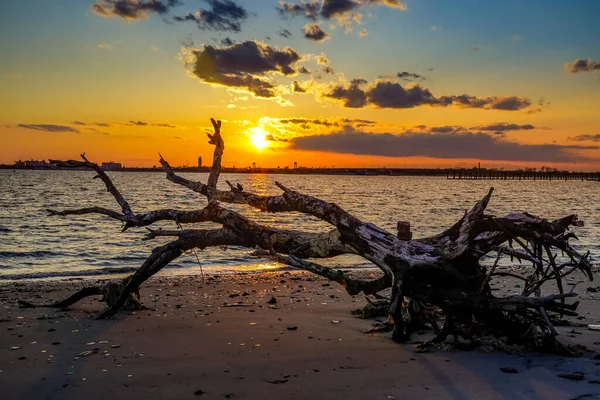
<point x="199" y="162"/>
<point x="253" y="165"/>
<point x="295" y="164"/>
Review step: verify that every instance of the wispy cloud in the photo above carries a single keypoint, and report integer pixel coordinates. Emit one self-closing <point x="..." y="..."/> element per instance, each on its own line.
<point x="221" y="15"/>
<point x="104" y="46"/>
<point x="586" y="138"/>
<point x="49" y="128"/>
<point x="133" y="10"/>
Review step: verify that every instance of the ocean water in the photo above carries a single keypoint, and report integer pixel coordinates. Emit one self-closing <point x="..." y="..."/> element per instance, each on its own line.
<point x="34" y="245"/>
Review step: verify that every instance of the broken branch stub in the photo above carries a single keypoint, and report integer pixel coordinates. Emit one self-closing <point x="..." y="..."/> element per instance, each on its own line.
<point x="441" y="274"/>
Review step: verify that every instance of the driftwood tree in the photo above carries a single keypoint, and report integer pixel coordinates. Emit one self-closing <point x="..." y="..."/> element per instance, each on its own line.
<point x="430" y="278"/>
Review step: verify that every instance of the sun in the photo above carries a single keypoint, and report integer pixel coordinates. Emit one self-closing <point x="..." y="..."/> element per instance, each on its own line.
<point x="258" y="138"/>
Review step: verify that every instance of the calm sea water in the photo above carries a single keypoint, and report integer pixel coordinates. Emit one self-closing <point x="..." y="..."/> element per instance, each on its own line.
<point x="36" y="246"/>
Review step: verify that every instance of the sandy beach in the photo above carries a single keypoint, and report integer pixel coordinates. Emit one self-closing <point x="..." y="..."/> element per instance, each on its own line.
<point x="222" y="339"/>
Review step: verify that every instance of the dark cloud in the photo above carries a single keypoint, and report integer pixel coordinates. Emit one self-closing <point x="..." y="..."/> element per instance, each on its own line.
<point x="387" y="94"/>
<point x="315" y="33"/>
<point x="580" y="65"/>
<point x="338" y="8"/>
<point x="132" y="10"/>
<point x="586" y="138"/>
<point x="508" y="103"/>
<point x="328" y="70"/>
<point x="227" y="41"/>
<point x="298" y="88"/>
<point x="138" y="123"/>
<point x="303" y="70"/>
<point x="352" y="96"/>
<point x="504" y="127"/>
<point x="440" y="145"/>
<point x="101" y="124"/>
<point x="407" y="76"/>
<point x="445" y="129"/>
<point x="285" y="33"/>
<point x="243" y="65"/>
<point x="49" y="128"/>
<point x="307" y="9"/>
<point x="308" y="123"/>
<point x="157" y="124"/>
<point x="392" y="95"/>
<point x="328" y="9"/>
<point x="222" y="15"/>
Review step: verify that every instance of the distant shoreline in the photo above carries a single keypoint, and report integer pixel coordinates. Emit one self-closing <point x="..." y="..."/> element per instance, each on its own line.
<point x="430" y="172"/>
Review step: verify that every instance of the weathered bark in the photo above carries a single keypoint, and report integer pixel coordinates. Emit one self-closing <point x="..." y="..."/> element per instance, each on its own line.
<point x="442" y="272"/>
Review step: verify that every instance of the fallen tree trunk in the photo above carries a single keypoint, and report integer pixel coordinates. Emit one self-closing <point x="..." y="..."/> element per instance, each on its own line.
<point x="443" y="273"/>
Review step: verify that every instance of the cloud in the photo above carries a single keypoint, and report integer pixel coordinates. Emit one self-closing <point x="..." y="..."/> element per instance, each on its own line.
<point x="285" y="33"/>
<point x="475" y="48"/>
<point x="504" y="127"/>
<point x="222" y="15"/>
<point x="101" y="124"/>
<point x="104" y="46"/>
<point x="324" y="61"/>
<point x="437" y="145"/>
<point x="298" y="87"/>
<point x="585" y="138"/>
<point x="517" y="38"/>
<point x="387" y="94"/>
<point x="580" y="65"/>
<point x="247" y="66"/>
<point x="338" y="8"/>
<point x="315" y="33"/>
<point x="407" y="76"/>
<point x="303" y="70"/>
<point x="312" y="123"/>
<point x="133" y="10"/>
<point x="49" y="128"/>
<point x="352" y="96"/>
<point x="344" y="11"/>
<point x="154" y="48"/>
<point x="507" y="103"/>
<point x="307" y="9"/>
<point x="227" y="41"/>
<point x="157" y="124"/>
<point x="363" y="33"/>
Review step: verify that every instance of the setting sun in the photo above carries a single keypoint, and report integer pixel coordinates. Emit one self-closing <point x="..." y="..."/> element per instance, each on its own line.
<point x="258" y="138"/>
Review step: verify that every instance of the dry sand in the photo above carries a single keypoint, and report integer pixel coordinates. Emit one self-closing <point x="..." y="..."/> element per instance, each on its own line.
<point x="306" y="346"/>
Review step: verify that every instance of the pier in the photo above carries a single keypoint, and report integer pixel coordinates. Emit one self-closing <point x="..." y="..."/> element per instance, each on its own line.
<point x="479" y="174"/>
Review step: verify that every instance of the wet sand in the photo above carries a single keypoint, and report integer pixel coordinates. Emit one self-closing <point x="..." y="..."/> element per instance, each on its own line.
<point x="305" y="346"/>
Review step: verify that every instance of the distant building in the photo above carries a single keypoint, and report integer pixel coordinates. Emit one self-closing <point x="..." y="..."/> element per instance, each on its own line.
<point x="20" y="164"/>
<point x="200" y="162"/>
<point x="36" y="164"/>
<point x="295" y="164"/>
<point x="111" y="165"/>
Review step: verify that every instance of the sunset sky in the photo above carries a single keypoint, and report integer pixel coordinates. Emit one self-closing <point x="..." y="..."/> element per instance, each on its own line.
<point x="415" y="83"/>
